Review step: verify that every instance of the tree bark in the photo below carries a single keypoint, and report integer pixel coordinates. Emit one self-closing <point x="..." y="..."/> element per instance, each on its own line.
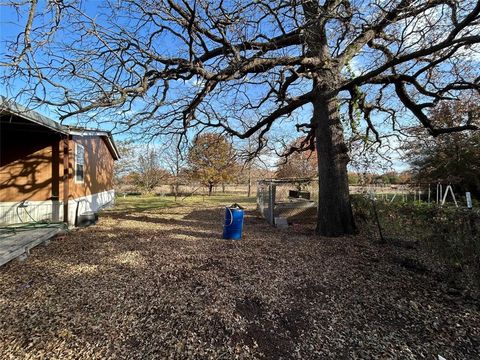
<point x="210" y="187"/>
<point x="335" y="216"/>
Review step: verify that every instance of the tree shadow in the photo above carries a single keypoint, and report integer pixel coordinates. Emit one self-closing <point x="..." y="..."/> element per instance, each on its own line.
<point x="125" y="285"/>
<point x="29" y="163"/>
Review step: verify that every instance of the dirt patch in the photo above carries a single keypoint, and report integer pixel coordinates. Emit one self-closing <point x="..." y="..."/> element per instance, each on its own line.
<point x="310" y="291"/>
<point x="410" y="264"/>
<point x="294" y="321"/>
<point x="249" y="308"/>
<point x="275" y="337"/>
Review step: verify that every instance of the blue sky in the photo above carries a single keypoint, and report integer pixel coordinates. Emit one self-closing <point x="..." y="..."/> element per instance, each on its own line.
<point x="285" y="129"/>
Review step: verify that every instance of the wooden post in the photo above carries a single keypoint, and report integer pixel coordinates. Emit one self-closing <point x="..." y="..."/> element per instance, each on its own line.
<point x="66" y="175"/>
<point x="271" y="202"/>
<point x="382" y="238"/>
<point x="259" y="207"/>
<point x="249" y="188"/>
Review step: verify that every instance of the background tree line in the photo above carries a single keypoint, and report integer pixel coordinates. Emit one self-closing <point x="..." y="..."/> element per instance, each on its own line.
<point x="212" y="160"/>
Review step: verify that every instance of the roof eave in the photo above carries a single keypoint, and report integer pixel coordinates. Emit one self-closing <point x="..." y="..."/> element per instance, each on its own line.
<point x="105" y="134"/>
<point x="11" y="107"/>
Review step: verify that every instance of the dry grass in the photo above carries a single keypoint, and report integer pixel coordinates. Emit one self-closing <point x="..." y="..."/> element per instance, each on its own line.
<point x="159" y="282"/>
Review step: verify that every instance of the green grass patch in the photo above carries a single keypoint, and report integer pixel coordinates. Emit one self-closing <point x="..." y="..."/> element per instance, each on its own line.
<point x="141" y="203"/>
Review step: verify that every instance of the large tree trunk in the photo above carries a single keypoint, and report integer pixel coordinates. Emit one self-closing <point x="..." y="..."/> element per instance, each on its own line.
<point x="335" y="217"/>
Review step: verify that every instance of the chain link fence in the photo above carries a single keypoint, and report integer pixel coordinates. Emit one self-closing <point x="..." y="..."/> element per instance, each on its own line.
<point x="296" y="199"/>
<point x="415" y="216"/>
<point x="431" y="216"/>
<point x="290" y="200"/>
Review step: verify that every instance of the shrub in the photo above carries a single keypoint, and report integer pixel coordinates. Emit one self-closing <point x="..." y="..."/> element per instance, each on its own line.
<point x="453" y="233"/>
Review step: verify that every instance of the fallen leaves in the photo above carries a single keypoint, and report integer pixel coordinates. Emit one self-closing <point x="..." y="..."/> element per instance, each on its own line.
<point x="163" y="284"/>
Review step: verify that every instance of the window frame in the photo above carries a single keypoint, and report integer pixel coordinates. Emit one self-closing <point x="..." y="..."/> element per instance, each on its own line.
<point x="76" y="164"/>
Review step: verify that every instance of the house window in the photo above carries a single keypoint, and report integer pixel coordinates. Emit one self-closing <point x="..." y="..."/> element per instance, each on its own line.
<point x="79" y="163"/>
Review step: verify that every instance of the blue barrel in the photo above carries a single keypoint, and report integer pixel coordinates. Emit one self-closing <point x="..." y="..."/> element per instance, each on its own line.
<point x="233" y="223"/>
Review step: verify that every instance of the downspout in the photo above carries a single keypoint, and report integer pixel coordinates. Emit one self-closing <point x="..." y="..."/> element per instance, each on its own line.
<point x="66" y="173"/>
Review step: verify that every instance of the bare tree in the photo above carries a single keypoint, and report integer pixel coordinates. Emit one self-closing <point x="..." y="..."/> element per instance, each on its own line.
<point x="252" y="161"/>
<point x="300" y="164"/>
<point x="174" y="160"/>
<point x="148" y="173"/>
<point x="165" y="66"/>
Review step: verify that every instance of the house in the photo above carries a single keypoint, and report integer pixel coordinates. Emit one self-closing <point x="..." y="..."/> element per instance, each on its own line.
<point x="50" y="171"/>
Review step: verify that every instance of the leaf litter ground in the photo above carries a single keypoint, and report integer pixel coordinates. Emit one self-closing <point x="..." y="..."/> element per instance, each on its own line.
<point x="163" y="284"/>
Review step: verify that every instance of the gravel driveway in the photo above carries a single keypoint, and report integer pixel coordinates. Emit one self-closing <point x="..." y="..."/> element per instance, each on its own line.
<point x="162" y="284"/>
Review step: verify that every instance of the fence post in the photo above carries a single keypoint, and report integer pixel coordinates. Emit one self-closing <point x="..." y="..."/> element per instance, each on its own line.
<point x="471" y="217"/>
<point x="271" y="205"/>
<point x="259" y="199"/>
<point x="468" y="196"/>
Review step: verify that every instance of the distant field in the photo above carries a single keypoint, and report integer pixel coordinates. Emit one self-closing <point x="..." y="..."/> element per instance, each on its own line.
<point x="152" y="202"/>
<point x="242" y="189"/>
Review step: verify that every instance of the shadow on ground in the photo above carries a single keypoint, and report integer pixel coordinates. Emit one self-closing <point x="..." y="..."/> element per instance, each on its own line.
<point x="162" y="283"/>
